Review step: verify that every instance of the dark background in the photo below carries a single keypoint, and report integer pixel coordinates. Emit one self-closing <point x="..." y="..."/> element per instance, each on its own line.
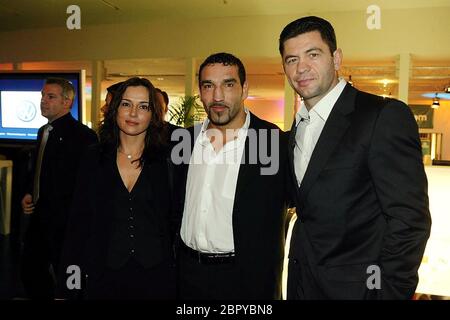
<point x="11" y="245"/>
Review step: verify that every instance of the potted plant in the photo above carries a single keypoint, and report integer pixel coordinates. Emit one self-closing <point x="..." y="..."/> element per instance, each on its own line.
<point x="186" y="112"/>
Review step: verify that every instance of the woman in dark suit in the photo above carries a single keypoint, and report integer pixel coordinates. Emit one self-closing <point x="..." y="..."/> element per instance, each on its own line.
<point x="122" y="224"/>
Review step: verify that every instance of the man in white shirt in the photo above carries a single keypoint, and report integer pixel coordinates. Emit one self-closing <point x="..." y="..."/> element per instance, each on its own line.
<point x="357" y="179"/>
<point x="232" y="231"/>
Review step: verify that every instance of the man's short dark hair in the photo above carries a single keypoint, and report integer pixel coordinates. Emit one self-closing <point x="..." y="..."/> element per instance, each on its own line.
<point x="68" y="90"/>
<point x="309" y="24"/>
<point x="165" y="96"/>
<point x="227" y="59"/>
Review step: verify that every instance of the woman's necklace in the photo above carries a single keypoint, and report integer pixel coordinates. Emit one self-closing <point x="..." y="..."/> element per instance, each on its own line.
<point x="128" y="155"/>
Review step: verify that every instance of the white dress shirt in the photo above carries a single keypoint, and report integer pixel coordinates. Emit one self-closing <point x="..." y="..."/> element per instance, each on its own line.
<point x="309" y="127"/>
<point x="207" y="223"/>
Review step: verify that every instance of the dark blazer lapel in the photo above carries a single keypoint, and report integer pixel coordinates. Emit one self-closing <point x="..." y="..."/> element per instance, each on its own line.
<point x="335" y="127"/>
<point x="291" y="146"/>
<point x="247" y="170"/>
<point x="155" y="172"/>
<point x="183" y="169"/>
<point x="103" y="193"/>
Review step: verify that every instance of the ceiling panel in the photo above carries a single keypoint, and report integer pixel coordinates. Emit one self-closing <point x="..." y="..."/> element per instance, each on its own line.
<point x="20" y="14"/>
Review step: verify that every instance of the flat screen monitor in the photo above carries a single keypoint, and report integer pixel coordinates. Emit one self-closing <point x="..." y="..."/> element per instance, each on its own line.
<point x="20" y="97"/>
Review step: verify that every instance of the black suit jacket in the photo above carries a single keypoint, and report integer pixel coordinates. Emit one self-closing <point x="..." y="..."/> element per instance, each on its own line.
<point x="66" y="143"/>
<point x="258" y="216"/>
<point x="363" y="201"/>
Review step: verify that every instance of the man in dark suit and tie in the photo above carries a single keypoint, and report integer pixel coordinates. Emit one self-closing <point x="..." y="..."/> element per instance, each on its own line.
<point x="60" y="146"/>
<point x="232" y="231"/>
<point x="357" y="179"/>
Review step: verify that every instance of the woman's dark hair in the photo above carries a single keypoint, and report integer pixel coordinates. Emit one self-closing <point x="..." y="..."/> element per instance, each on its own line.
<point x="156" y="135"/>
<point x="113" y="88"/>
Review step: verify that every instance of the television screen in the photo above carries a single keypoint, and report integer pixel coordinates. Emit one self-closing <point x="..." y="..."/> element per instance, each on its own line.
<point x="20" y="98"/>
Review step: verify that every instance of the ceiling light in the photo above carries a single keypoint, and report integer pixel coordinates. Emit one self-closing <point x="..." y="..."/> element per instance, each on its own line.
<point x="435" y="103"/>
<point x="440" y="95"/>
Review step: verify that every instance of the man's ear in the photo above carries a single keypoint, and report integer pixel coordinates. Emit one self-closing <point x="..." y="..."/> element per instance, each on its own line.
<point x="245" y="90"/>
<point x="68" y="103"/>
<point x="337" y="59"/>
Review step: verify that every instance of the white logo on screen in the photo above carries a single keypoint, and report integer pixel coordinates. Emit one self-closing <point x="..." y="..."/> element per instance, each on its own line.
<point x="21" y="109"/>
<point x="26" y="111"/>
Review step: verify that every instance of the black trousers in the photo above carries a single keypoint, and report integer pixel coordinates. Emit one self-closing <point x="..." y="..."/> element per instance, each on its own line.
<point x="40" y="259"/>
<point x="199" y="281"/>
<point x="134" y="282"/>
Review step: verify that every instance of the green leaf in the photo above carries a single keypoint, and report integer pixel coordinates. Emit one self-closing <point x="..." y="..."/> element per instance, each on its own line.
<point x="186" y="112"/>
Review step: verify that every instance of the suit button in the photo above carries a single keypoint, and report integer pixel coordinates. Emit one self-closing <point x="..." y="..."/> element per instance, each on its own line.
<point x="295" y="261"/>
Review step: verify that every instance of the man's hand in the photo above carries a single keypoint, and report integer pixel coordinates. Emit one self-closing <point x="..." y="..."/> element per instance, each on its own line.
<point x="27" y="204"/>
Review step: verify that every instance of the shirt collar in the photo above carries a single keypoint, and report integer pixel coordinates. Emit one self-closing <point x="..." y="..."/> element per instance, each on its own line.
<point x="323" y="108"/>
<point x="302" y="113"/>
<point x="60" y="122"/>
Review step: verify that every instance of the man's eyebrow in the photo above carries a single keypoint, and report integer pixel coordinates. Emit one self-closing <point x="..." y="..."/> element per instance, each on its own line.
<point x="307" y="51"/>
<point x="205" y="81"/>
<point x="314" y="49"/>
<point x="230" y="80"/>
